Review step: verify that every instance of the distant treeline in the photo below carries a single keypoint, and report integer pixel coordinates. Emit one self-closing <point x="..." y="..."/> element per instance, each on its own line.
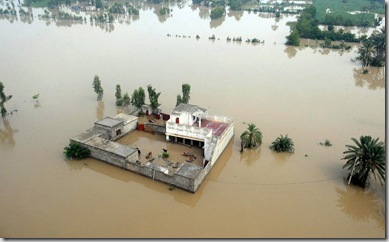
<point x="307" y="27"/>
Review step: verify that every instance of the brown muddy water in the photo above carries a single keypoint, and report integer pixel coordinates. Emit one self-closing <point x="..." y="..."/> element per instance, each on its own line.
<point x="311" y="94"/>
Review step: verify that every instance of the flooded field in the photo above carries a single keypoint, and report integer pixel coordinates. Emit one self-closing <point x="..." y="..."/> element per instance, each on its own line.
<point x="311" y="94"/>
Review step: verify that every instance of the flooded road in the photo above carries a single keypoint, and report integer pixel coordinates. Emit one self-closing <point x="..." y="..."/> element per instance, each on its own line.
<point x="311" y="94"/>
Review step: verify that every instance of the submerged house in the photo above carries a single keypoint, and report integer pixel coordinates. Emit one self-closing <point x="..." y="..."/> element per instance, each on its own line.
<point x="188" y="124"/>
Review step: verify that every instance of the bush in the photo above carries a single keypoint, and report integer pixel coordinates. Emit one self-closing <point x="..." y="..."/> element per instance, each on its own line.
<point x="75" y="151"/>
<point x="283" y="144"/>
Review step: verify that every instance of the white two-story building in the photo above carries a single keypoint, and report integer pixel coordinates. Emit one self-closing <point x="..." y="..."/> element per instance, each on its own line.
<point x="192" y="125"/>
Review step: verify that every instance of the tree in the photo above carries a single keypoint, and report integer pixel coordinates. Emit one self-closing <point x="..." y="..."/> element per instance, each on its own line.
<point x="97" y="87"/>
<point x="366" y="52"/>
<point x="293" y="38"/>
<point x="185" y="94"/>
<point x="283" y="144"/>
<point x="118" y="95"/>
<point x="153" y="97"/>
<point x="3" y="99"/>
<point x="126" y="100"/>
<point x="76" y="151"/>
<point x="372" y="51"/>
<point x="252" y="137"/>
<point x="138" y="97"/>
<point x="217" y="12"/>
<point x="365" y="158"/>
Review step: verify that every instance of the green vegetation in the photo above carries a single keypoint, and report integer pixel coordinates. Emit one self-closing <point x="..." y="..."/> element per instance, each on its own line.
<point x="117" y="8"/>
<point x="3" y="99"/>
<point x="125" y="100"/>
<point x="307" y="26"/>
<point x="365" y="158"/>
<point x="348" y="12"/>
<point x="153" y="97"/>
<point x="218" y="12"/>
<point x="252" y="137"/>
<point x="118" y="95"/>
<point x="63" y="15"/>
<point x="283" y="144"/>
<point x="75" y="151"/>
<point x="97" y="87"/>
<point x="138" y="97"/>
<point x="327" y="143"/>
<point x="35" y="97"/>
<point x="372" y="51"/>
<point x="185" y="94"/>
<point x="164" y="11"/>
<point x="165" y="155"/>
<point x="132" y="11"/>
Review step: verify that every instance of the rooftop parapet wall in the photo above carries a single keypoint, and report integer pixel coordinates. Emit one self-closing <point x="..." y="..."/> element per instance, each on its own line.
<point x="187" y="131"/>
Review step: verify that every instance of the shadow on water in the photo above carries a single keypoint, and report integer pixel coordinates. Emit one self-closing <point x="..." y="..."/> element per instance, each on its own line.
<point x="7" y="134"/>
<point x="374" y="80"/>
<point x="360" y="205"/>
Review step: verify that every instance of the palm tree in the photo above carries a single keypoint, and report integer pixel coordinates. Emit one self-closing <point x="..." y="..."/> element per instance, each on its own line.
<point x="368" y="156"/>
<point x="252" y="137"/>
<point x="283" y="144"/>
<point x="366" y="53"/>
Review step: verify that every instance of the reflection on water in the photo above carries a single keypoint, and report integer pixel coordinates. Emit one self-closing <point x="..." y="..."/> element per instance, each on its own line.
<point x="217" y="22"/>
<point x="374" y="80"/>
<point x="236" y="14"/>
<point x="250" y="156"/>
<point x="282" y="89"/>
<point x="360" y="205"/>
<point x="291" y="51"/>
<point x="100" y="110"/>
<point x="7" y="133"/>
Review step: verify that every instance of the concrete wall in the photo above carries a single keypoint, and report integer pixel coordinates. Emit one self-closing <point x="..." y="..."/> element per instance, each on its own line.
<point x="159" y="129"/>
<point x="222" y="143"/>
<point x="148" y="170"/>
<point x="201" y="177"/>
<point x="107" y="156"/>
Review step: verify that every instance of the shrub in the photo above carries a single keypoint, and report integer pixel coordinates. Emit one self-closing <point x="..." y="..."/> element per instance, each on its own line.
<point x="283" y="144"/>
<point x="75" y="151"/>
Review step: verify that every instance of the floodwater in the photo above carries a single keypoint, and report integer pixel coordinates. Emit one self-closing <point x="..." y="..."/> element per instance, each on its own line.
<point x="311" y="94"/>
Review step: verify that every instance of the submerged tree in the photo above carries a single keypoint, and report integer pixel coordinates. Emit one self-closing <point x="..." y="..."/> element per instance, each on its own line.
<point x="125" y="100"/>
<point x="252" y="137"/>
<point x="185" y="94"/>
<point x="3" y="99"/>
<point x="76" y="151"/>
<point x="118" y="95"/>
<point x="97" y="87"/>
<point x="372" y="51"/>
<point x="153" y="97"/>
<point x="365" y="158"/>
<point x="283" y="144"/>
<point x="138" y="97"/>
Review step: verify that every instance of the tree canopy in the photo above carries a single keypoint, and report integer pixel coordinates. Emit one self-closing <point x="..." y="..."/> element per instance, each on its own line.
<point x="97" y="87"/>
<point x="365" y="158"/>
<point x="3" y="99"/>
<point x="153" y="97"/>
<point x="185" y="94"/>
<point x="138" y="97"/>
<point x="252" y="137"/>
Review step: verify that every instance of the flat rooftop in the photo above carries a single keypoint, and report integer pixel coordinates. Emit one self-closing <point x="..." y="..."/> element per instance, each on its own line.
<point x="109" y="122"/>
<point x="216" y="126"/>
